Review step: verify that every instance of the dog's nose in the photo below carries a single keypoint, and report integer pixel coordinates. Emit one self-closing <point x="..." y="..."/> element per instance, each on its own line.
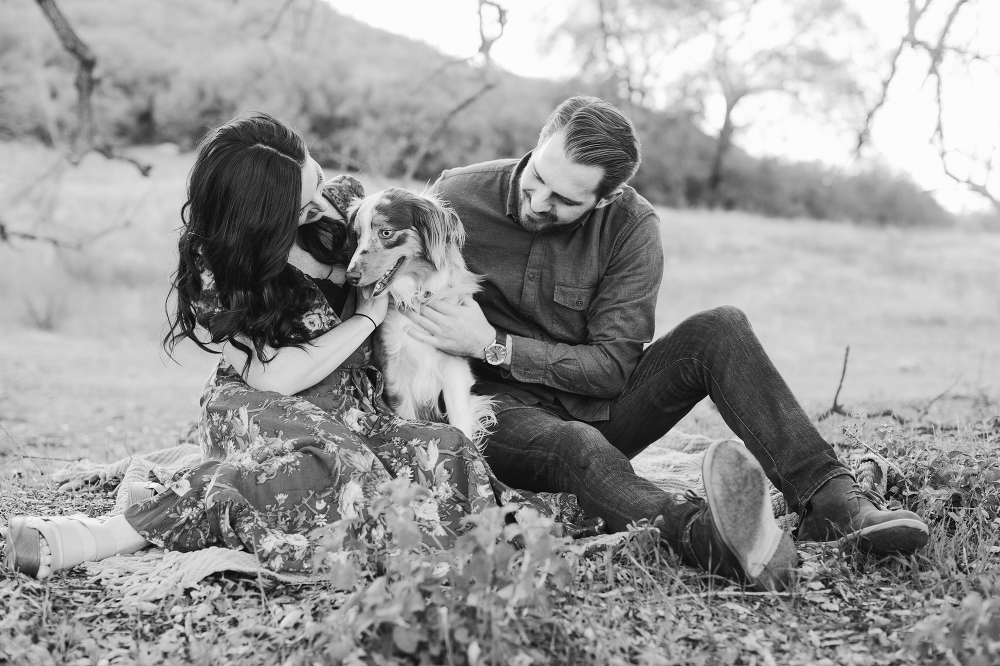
<point x="354" y="277"/>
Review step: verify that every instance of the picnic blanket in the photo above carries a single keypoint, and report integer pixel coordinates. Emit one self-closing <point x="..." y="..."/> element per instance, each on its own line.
<point x="673" y="463"/>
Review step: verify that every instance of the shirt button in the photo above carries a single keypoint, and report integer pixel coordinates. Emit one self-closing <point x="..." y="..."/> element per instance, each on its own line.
<point x="531" y="277"/>
<point x="579" y="302"/>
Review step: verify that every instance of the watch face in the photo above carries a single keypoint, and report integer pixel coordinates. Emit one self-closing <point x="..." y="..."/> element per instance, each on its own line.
<point x="495" y="354"/>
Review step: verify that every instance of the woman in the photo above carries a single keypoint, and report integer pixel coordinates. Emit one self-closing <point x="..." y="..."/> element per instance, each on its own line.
<point x="293" y="428"/>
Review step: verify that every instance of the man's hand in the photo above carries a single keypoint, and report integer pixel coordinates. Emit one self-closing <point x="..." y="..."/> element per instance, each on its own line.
<point x="460" y="329"/>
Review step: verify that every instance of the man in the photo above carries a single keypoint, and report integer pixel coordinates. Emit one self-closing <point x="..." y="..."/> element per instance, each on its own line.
<point x="573" y="261"/>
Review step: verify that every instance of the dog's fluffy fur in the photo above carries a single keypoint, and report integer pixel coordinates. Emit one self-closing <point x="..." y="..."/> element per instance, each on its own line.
<point x="410" y="245"/>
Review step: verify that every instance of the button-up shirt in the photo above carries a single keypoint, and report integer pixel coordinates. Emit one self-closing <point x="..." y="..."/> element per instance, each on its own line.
<point x="579" y="301"/>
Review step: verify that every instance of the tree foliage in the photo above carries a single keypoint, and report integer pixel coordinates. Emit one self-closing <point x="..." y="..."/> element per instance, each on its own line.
<point x="708" y="56"/>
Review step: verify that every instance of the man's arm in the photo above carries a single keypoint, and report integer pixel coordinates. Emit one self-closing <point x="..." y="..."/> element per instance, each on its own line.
<point x="621" y="319"/>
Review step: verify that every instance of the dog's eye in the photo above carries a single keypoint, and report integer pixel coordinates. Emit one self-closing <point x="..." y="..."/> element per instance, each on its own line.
<point x="385" y="233"/>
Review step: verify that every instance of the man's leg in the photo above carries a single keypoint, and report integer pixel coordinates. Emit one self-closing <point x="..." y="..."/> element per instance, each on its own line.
<point x="715" y="353"/>
<point x="732" y="534"/>
<point x="534" y="449"/>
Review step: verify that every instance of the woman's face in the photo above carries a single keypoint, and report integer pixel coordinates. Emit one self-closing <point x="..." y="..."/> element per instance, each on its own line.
<point x="313" y="204"/>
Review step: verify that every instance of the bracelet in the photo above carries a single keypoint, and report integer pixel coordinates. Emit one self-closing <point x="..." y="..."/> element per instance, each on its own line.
<point x="361" y="314"/>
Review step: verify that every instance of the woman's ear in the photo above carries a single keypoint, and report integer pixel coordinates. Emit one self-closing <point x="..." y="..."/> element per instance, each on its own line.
<point x="440" y="229"/>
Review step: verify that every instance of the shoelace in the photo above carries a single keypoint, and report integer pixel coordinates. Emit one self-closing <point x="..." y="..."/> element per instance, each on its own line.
<point x="698" y="501"/>
<point x="858" y="492"/>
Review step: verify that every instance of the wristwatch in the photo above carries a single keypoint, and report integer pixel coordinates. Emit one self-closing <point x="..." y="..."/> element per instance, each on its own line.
<point x="496" y="353"/>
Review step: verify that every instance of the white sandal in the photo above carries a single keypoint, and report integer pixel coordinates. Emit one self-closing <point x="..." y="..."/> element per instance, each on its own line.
<point x="72" y="540"/>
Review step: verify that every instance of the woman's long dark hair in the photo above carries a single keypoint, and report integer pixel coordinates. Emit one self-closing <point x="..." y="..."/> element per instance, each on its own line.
<point x="240" y="222"/>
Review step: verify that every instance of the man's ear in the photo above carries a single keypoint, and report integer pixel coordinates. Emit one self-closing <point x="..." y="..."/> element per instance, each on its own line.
<point x="609" y="199"/>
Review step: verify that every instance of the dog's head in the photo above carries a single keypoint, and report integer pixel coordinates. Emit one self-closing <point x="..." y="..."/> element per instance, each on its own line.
<point x="399" y="230"/>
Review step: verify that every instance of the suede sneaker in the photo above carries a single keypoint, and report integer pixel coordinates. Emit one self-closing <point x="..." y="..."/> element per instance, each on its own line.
<point x="841" y="513"/>
<point x="734" y="533"/>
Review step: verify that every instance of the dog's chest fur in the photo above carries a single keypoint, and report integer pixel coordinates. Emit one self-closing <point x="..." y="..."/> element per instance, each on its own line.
<point x="406" y="359"/>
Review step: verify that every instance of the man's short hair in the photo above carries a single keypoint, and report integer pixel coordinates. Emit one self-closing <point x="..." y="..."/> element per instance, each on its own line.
<point x="597" y="134"/>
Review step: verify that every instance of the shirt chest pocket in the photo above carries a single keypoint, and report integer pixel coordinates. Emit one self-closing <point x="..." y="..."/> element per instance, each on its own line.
<point x="569" y="314"/>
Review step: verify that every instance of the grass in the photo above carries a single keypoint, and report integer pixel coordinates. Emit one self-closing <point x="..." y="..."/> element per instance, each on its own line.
<point x="81" y="375"/>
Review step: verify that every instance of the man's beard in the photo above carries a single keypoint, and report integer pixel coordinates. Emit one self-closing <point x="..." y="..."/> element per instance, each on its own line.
<point x="538" y="223"/>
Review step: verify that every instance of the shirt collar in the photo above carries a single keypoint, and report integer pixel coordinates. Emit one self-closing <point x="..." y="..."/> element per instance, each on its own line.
<point x="514" y="189"/>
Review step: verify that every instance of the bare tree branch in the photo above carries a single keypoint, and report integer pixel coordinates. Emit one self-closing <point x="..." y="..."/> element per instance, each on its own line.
<point x="936" y="51"/>
<point x="486" y="42"/>
<point x="431" y="138"/>
<point x="85" y="81"/>
<point x="864" y="134"/>
<point x="277" y="20"/>
<point x="83" y="140"/>
<point x="7" y="234"/>
<point x="111" y="153"/>
<point x="635" y="45"/>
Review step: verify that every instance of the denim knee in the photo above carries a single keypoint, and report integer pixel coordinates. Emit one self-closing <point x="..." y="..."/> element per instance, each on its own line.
<point x="720" y="320"/>
<point x="581" y="445"/>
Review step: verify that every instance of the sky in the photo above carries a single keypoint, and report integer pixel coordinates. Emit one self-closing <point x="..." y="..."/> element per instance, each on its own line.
<point x="901" y="134"/>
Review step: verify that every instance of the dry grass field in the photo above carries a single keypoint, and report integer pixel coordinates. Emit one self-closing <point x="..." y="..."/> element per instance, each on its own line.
<point x="82" y="375"/>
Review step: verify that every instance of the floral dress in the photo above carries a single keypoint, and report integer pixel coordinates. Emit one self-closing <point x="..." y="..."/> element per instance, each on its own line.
<point x="278" y="467"/>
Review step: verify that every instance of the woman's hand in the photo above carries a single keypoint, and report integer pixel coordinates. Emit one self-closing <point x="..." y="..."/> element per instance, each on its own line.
<point x="294" y="369"/>
<point x="375" y="308"/>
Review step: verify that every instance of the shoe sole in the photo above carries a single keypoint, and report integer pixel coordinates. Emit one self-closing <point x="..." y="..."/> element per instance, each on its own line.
<point x="902" y="536"/>
<point x="23" y="551"/>
<point x="736" y="488"/>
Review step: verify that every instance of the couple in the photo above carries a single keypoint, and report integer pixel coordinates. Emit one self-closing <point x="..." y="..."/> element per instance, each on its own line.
<point x="294" y="429"/>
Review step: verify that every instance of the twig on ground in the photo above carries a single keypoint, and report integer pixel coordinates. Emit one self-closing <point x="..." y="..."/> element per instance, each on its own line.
<point x="896" y="468"/>
<point x="927" y="407"/>
<point x="902" y="420"/>
<point x="728" y="593"/>
<point x="52" y="458"/>
<point x="892" y="414"/>
<point x="20" y="448"/>
<point x="837" y="408"/>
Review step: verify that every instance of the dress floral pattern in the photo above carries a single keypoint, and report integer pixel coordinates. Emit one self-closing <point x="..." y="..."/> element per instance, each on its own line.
<point x="278" y="467"/>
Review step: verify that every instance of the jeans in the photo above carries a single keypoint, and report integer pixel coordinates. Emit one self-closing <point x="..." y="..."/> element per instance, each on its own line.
<point x="714" y="353"/>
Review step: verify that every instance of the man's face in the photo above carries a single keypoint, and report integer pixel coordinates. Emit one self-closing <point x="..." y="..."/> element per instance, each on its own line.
<point x="555" y="191"/>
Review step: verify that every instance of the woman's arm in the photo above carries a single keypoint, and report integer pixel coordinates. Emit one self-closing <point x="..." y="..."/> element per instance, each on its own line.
<point x="293" y="369"/>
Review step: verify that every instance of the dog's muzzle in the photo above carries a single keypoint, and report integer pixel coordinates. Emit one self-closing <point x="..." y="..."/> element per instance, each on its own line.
<point x="354" y="277"/>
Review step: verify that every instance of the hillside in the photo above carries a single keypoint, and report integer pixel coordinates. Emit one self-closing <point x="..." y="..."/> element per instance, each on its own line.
<point x="367" y="100"/>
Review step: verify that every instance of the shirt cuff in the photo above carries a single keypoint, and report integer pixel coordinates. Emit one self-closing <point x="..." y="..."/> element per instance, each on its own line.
<point x="528" y="362"/>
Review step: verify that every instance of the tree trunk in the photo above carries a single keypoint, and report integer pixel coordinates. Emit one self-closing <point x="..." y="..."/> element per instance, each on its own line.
<point x="83" y="139"/>
<point x="722" y="145"/>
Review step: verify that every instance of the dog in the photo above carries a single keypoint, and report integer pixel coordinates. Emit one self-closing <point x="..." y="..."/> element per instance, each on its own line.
<point x="411" y="246"/>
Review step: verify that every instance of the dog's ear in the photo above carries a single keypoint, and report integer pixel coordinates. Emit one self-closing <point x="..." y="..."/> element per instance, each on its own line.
<point x="352" y="217"/>
<point x="439" y="227"/>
